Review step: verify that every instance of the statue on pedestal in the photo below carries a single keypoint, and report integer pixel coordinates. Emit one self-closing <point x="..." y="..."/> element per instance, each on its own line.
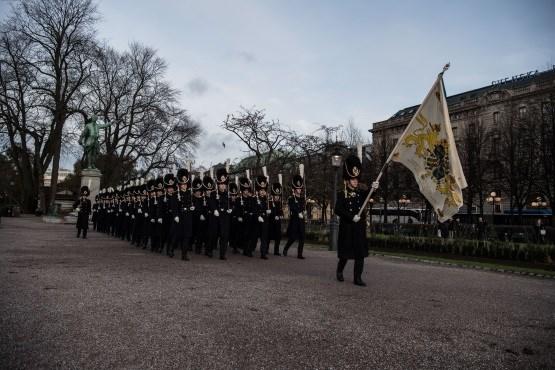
<point x="89" y="141"/>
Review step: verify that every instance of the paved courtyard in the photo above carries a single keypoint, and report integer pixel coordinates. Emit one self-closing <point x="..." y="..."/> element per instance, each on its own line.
<point x="104" y="304"/>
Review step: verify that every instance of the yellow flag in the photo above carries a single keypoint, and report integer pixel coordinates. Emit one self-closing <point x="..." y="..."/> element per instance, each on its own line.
<point x="427" y="148"/>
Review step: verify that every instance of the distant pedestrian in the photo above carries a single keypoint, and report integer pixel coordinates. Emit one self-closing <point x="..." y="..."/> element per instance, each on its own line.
<point x="83" y="208"/>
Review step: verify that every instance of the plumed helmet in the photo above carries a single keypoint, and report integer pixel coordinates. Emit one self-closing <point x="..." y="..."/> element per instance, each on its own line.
<point x="208" y="183"/>
<point x="151" y="185"/>
<point x="276" y="188"/>
<point x="170" y="181"/>
<point x="297" y="182"/>
<point x="261" y="183"/>
<point x="159" y="185"/>
<point x="85" y="191"/>
<point x="197" y="184"/>
<point x="352" y="167"/>
<point x="182" y="176"/>
<point x="233" y="189"/>
<point x="222" y="176"/>
<point x="244" y="183"/>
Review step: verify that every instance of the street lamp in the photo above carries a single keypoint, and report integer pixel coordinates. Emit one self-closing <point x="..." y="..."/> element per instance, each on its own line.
<point x="334" y="223"/>
<point x="404" y="202"/>
<point x="493" y="198"/>
<point x="539" y="203"/>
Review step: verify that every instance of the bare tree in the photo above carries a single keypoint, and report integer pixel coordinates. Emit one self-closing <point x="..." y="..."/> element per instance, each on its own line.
<point x="350" y="134"/>
<point x="264" y="139"/>
<point x="149" y="129"/>
<point x="60" y="36"/>
<point x="475" y="162"/>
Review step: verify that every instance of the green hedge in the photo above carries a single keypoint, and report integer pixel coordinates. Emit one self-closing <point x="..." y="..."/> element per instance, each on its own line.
<point x="487" y="249"/>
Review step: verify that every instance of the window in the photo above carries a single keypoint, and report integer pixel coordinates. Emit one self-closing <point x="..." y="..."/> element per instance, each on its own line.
<point x="495" y="118"/>
<point x="522" y="112"/>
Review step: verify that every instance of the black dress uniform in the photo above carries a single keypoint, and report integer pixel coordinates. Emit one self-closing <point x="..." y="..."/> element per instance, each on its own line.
<point x="83" y="207"/>
<point x="200" y="215"/>
<point x="209" y="187"/>
<point x="296" y="226"/>
<point x="182" y="238"/>
<point x="234" y="228"/>
<point x="220" y="214"/>
<point x="260" y="217"/>
<point x="242" y="209"/>
<point x="171" y="213"/>
<point x="95" y="208"/>
<point x="152" y="216"/>
<point x="351" y="242"/>
<point x="161" y="204"/>
<point x="275" y="217"/>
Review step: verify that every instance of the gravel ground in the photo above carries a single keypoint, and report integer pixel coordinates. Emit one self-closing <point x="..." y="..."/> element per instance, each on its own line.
<point x="104" y="304"/>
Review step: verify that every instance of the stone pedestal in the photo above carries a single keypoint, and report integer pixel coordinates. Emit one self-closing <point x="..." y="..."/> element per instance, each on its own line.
<point x="91" y="178"/>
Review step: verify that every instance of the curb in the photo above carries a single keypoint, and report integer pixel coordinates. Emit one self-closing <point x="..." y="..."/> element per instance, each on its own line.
<point x="470" y="267"/>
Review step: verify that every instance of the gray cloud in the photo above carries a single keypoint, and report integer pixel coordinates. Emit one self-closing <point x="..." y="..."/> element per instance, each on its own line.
<point x="197" y="86"/>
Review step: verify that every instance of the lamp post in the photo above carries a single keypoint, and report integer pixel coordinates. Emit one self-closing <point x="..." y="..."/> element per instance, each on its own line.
<point x="403" y="202"/>
<point x="334" y="223"/>
<point x="493" y="198"/>
<point x="371" y="201"/>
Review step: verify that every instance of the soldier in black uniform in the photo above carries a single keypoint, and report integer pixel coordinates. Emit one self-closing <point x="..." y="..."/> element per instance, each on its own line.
<point x="209" y="187"/>
<point x="160" y="210"/>
<point x="83" y="208"/>
<point x="200" y="215"/>
<point x="220" y="214"/>
<point x="260" y="214"/>
<point x="95" y="207"/>
<point x="182" y="237"/>
<point x="351" y="241"/>
<point x="275" y="217"/>
<point x="234" y="228"/>
<point x="152" y="215"/>
<point x="296" y="227"/>
<point x="243" y="217"/>
<point x="171" y="213"/>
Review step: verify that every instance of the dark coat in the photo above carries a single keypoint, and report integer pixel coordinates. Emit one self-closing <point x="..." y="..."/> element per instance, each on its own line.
<point x="84" y="206"/>
<point x="275" y="225"/>
<point x="351" y="241"/>
<point x="296" y="227"/>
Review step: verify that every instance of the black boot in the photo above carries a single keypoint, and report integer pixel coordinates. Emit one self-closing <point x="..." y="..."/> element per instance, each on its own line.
<point x="339" y="272"/>
<point x="359" y="265"/>
<point x="84" y="233"/>
<point x="184" y="255"/>
<point x="78" y="233"/>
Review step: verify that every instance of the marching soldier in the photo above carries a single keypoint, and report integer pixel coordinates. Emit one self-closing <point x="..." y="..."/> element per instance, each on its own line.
<point x="209" y="187"/>
<point x="220" y="214"/>
<point x="260" y="211"/>
<point x="276" y="216"/>
<point x="234" y="228"/>
<point x="296" y="227"/>
<point x="183" y="233"/>
<point x="152" y="215"/>
<point x="242" y="210"/>
<point x="199" y="214"/>
<point x="160" y="210"/>
<point x="171" y="214"/>
<point x="83" y="208"/>
<point x="351" y="242"/>
<point x="95" y="207"/>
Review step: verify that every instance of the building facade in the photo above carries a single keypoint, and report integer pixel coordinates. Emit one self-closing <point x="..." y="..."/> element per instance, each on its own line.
<point x="489" y="106"/>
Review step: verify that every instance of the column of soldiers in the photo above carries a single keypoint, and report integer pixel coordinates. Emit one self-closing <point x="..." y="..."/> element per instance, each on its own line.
<point x="202" y="215"/>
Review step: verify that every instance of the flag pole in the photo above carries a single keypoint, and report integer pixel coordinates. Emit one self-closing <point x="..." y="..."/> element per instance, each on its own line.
<point x="445" y="68"/>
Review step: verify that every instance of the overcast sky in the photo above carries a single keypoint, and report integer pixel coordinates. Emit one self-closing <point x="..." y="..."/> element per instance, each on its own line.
<point x="309" y="63"/>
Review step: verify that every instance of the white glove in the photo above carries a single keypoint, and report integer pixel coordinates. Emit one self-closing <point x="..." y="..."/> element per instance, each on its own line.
<point x="202" y="218"/>
<point x="139" y="211"/>
<point x="229" y="211"/>
<point x="301" y="216"/>
<point x="192" y="208"/>
<point x="268" y="211"/>
<point x="127" y="213"/>
<point x="240" y="219"/>
<point x="78" y="209"/>
<point x="159" y="220"/>
<point x="356" y="218"/>
<point x="133" y="217"/>
<point x="216" y="213"/>
<point x="375" y="185"/>
<point x="176" y="219"/>
<point x="260" y="219"/>
<point x="276" y="218"/>
<point x="119" y="210"/>
<point x="146" y="214"/>
<point x="152" y="220"/>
